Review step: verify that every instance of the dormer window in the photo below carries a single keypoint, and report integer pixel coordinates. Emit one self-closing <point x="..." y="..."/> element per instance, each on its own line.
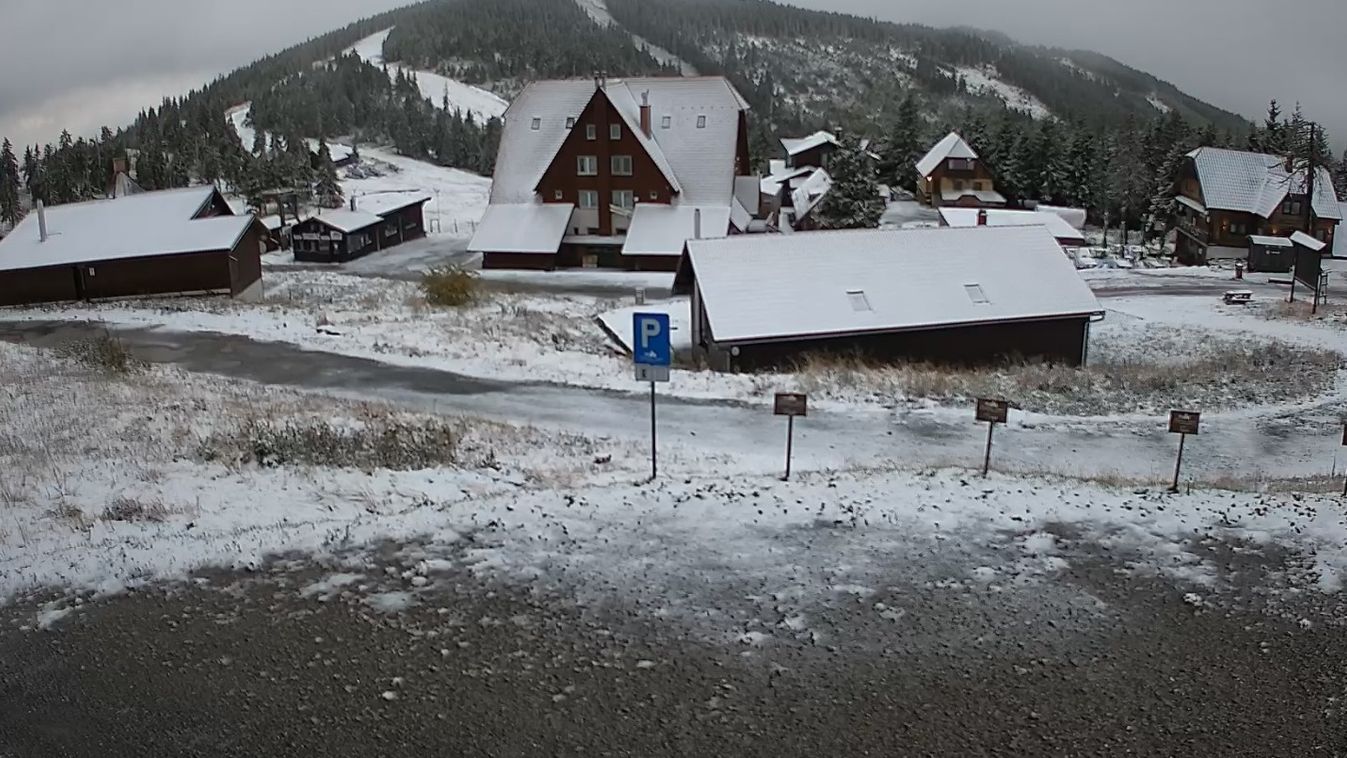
<point x="666" y="122"/>
<point x="701" y="122"/>
<point x="537" y="123"/>
<point x="570" y="122"/>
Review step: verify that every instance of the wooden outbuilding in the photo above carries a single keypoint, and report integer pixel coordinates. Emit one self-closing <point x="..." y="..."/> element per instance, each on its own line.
<point x="172" y="242"/>
<point x="369" y="224"/>
<point x="966" y="296"/>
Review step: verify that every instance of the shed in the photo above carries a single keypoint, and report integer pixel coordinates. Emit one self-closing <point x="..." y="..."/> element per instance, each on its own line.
<point x="1270" y="254"/>
<point x="964" y="296"/>
<point x="184" y="241"/>
<point x="371" y="223"/>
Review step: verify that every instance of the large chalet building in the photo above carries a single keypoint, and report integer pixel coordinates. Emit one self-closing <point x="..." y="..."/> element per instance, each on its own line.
<point x="1226" y="196"/>
<point x="617" y="173"/>
<point x="952" y="174"/>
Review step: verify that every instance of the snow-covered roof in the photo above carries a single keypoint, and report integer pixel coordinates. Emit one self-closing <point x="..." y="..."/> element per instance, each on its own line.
<point x="772" y="184"/>
<point x="345" y="220"/>
<point x="1340" y="237"/>
<point x="1234" y="180"/>
<point x="952" y="146"/>
<point x="1000" y="217"/>
<point x="883" y="280"/>
<point x="699" y="159"/>
<point x="1259" y="239"/>
<point x="1191" y="203"/>
<point x="522" y="228"/>
<point x="658" y="229"/>
<point x="740" y="217"/>
<point x="983" y="196"/>
<point x="272" y="223"/>
<point x="136" y="226"/>
<point x="384" y="203"/>
<point x="795" y="146"/>
<point x="1076" y="217"/>
<point x="1306" y="241"/>
<point x="810" y="192"/>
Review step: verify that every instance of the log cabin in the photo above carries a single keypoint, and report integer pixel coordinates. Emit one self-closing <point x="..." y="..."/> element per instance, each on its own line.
<point x="1224" y="197"/>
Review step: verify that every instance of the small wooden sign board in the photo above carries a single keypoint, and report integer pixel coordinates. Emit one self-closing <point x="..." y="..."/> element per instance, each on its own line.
<point x="1184" y="422"/>
<point x="791" y="404"/>
<point x="995" y="411"/>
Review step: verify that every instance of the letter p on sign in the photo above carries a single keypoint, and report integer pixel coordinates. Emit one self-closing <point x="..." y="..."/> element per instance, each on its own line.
<point x="650" y="339"/>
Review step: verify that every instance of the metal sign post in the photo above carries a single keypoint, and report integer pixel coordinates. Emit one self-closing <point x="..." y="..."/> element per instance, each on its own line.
<point x="1344" y="444"/>
<point x="790" y="405"/>
<point x="652" y="355"/>
<point x="1182" y="423"/>
<point x="993" y="412"/>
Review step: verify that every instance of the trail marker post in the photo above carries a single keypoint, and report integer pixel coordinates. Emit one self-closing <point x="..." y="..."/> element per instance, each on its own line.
<point x="1182" y="423"/>
<point x="790" y="405"/>
<point x="652" y="355"/>
<point x="993" y="412"/>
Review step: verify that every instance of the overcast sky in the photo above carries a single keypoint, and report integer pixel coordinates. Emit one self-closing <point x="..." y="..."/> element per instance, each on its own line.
<point x="110" y="59"/>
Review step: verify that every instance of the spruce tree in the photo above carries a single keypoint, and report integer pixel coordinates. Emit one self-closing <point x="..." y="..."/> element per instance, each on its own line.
<point x="853" y="202"/>
<point x="9" y="186"/>
<point x="327" y="188"/>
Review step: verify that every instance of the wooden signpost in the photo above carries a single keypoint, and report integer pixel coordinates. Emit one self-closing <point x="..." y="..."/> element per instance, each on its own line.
<point x="790" y="405"/>
<point x="1182" y="423"/>
<point x="993" y="412"/>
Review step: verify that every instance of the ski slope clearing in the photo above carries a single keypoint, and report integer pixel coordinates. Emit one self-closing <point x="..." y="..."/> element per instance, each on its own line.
<point x="598" y="10"/>
<point x="483" y="105"/>
<point x="986" y="81"/>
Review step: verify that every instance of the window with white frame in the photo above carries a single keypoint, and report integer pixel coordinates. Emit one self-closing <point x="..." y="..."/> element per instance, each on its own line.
<point x="589" y="200"/>
<point x="537" y="123"/>
<point x="614" y="131"/>
<point x="557" y="194"/>
<point x="621" y="165"/>
<point x="624" y="199"/>
<point x="587" y="165"/>
<point x="701" y="122"/>
<point x="591" y="131"/>
<point x="666" y="122"/>
<point x="570" y="122"/>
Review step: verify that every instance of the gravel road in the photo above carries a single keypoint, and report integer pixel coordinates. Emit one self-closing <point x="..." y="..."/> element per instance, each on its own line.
<point x="294" y="660"/>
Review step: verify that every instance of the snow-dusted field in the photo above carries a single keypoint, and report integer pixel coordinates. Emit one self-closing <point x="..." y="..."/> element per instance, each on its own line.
<point x="111" y="481"/>
<point x="483" y="105"/>
<point x="986" y="81"/>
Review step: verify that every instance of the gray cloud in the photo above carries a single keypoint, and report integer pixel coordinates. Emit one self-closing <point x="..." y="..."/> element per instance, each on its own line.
<point x="79" y="64"/>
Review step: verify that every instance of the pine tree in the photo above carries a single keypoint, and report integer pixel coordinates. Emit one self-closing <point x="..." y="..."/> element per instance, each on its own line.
<point x="327" y="189"/>
<point x="1273" y="135"/>
<point x="10" y="213"/>
<point x="853" y="202"/>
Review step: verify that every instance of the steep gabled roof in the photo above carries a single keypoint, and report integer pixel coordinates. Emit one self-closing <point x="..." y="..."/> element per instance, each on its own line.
<point x="1306" y="241"/>
<point x="795" y="146"/>
<point x="753" y="286"/>
<point x="699" y="160"/>
<point x="952" y="146"/>
<point x="137" y="226"/>
<point x="1234" y="180"/>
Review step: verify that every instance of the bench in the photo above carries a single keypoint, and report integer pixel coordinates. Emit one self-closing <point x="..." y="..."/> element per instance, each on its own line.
<point x="1238" y="297"/>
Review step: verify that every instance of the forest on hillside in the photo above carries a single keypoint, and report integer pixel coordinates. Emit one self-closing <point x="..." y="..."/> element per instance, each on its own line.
<point x="1105" y="146"/>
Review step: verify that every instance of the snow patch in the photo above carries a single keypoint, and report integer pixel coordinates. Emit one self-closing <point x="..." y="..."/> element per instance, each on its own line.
<point x="986" y="81"/>
<point x="483" y="105"/>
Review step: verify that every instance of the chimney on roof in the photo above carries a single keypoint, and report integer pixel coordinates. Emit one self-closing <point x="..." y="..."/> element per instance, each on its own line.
<point x="41" y="222"/>
<point x="600" y="79"/>
<point x="645" y="112"/>
<point x="982" y="217"/>
<point x="696" y="223"/>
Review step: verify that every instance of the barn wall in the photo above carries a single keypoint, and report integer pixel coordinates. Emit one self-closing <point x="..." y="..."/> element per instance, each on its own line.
<point x="651" y="262"/>
<point x="245" y="266"/>
<point x="38" y="285"/>
<point x="411" y="220"/>
<point x="1058" y="341"/>
<point x="160" y="275"/>
<point x="529" y="261"/>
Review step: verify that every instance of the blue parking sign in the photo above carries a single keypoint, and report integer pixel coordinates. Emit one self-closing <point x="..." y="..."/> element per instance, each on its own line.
<point x="650" y="339"/>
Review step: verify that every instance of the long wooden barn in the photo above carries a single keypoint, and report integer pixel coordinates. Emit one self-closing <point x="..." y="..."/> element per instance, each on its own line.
<point x="977" y="295"/>
<point x="369" y="224"/>
<point x="185" y="241"/>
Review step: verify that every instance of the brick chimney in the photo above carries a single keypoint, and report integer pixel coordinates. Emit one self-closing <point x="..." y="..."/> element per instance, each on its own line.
<point x="982" y="217"/>
<point x="645" y="113"/>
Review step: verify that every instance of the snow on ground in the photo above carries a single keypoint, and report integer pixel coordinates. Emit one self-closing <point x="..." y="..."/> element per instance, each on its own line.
<point x="551" y="337"/>
<point x="112" y="481"/>
<point x="459" y="198"/>
<point x="483" y="105"/>
<point x="598" y="10"/>
<point x="1158" y="104"/>
<point x="986" y="81"/>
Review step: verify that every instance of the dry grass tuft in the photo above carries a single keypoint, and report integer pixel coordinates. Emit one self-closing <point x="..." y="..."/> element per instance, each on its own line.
<point x="104" y="352"/>
<point x="451" y="286"/>
<point x="384" y="441"/>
